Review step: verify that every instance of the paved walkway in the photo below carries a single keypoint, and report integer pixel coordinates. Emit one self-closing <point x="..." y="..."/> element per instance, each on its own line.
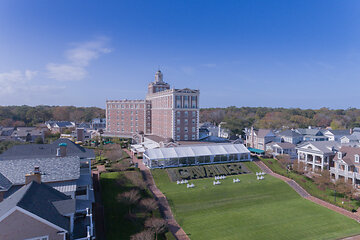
<point x="302" y="192"/>
<point x="164" y="207"/>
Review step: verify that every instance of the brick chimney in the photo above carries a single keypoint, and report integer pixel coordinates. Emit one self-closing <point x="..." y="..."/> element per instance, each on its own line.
<point x="34" y="176"/>
<point x="63" y="147"/>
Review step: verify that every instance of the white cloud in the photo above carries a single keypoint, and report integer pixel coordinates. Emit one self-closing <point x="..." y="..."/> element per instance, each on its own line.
<point x="18" y="83"/>
<point x="65" y="72"/>
<point x="11" y="81"/>
<point x="78" y="59"/>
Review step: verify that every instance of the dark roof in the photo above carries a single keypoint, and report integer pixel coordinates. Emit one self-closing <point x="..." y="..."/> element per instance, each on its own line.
<point x="339" y="132"/>
<point x="46" y="150"/>
<point x="53" y="169"/>
<point x="290" y="133"/>
<point x="309" y="131"/>
<point x="5" y="183"/>
<point x="38" y="199"/>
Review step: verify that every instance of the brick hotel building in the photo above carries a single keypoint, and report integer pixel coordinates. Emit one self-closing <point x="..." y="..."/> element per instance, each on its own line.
<point x="168" y="113"/>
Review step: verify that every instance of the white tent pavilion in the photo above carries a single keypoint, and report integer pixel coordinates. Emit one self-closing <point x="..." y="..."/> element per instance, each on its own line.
<point x="195" y="155"/>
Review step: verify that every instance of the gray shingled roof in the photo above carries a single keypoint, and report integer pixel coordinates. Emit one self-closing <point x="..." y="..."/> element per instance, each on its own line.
<point x="38" y="199"/>
<point x="5" y="183"/>
<point x="53" y="169"/>
<point x="283" y="145"/>
<point x="46" y="150"/>
<point x="323" y="146"/>
<point x="261" y="133"/>
<point x="307" y="131"/>
<point x="289" y="133"/>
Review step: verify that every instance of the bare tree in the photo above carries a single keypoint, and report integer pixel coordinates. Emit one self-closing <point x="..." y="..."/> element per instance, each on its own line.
<point x="113" y="152"/>
<point x="323" y="180"/>
<point x="130" y="198"/>
<point x="136" y="179"/>
<point x="157" y="225"/>
<point x="284" y="160"/>
<point x="299" y="167"/>
<point x="144" y="235"/>
<point x="149" y="204"/>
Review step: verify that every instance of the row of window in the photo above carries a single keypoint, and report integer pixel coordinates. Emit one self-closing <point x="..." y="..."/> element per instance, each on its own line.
<point x="186" y="121"/>
<point x="186" y="113"/>
<point x="127" y="105"/>
<point x="185" y="129"/>
<point x="186" y="137"/>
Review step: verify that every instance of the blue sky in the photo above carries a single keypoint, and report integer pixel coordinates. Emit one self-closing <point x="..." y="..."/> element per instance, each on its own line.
<point x="238" y="53"/>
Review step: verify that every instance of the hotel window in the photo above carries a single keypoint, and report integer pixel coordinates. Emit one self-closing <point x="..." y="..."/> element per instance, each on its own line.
<point x="117" y="123"/>
<point x="193" y="129"/>
<point x="193" y="113"/>
<point x="178" y="137"/>
<point x="178" y="130"/>
<point x="186" y="129"/>
<point x="122" y="129"/>
<point x="122" y="105"/>
<point x="122" y="118"/>
<point x="178" y="101"/>
<point x="193" y="121"/>
<point x="132" y="129"/>
<point x="118" y="130"/>
<point x="117" y="112"/>
<point x="178" y="121"/>
<point x="186" y="113"/>
<point x="131" y="112"/>
<point x="186" y="137"/>
<point x="131" y="118"/>
<point x="186" y="101"/>
<point x="136" y="112"/>
<point x="178" y="114"/>
<point x="193" y="102"/>
<point x="193" y="137"/>
<point x="339" y="155"/>
<point x="357" y="158"/>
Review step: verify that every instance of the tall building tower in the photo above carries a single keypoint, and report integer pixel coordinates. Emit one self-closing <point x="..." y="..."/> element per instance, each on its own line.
<point x="174" y="112"/>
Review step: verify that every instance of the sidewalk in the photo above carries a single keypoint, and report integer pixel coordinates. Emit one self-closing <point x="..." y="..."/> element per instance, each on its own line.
<point x="303" y="193"/>
<point x="164" y="207"/>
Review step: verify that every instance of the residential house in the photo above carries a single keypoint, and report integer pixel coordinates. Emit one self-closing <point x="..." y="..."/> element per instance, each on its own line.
<point x="317" y="155"/>
<point x="354" y="138"/>
<point x="290" y="136"/>
<point x="98" y="123"/>
<point x="347" y="165"/>
<point x="259" y="138"/>
<point x="59" y="126"/>
<point x="39" y="212"/>
<point x="335" y="135"/>
<point x="28" y="134"/>
<point x="65" y="165"/>
<point x="279" y="148"/>
<point x="312" y="134"/>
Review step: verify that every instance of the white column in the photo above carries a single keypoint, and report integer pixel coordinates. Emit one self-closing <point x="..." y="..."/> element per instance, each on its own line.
<point x="313" y="162"/>
<point x="322" y="163"/>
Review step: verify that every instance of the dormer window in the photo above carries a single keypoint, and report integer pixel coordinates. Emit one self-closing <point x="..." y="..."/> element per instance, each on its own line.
<point x="357" y="158"/>
<point x="339" y="155"/>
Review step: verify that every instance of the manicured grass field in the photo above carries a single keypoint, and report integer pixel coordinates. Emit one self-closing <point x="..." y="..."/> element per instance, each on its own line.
<point x="251" y="209"/>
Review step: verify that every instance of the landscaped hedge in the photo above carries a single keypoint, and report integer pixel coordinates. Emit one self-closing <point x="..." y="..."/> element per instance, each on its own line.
<point x="206" y="171"/>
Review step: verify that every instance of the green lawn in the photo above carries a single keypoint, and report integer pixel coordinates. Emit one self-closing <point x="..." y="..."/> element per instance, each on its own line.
<point x="251" y="209"/>
<point x="311" y="187"/>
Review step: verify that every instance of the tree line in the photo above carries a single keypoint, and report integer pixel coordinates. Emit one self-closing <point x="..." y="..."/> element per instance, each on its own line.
<point x="281" y="118"/>
<point x="12" y="116"/>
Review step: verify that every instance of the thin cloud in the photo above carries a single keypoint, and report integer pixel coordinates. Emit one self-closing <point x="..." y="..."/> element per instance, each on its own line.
<point x="78" y="59"/>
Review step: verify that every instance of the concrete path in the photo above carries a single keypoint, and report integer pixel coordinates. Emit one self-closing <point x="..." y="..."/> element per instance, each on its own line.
<point x="164" y="207"/>
<point x="303" y="193"/>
